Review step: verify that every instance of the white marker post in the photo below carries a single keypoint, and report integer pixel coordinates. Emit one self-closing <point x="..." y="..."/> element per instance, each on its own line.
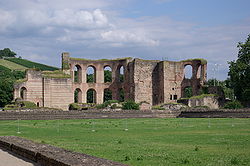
<point x="126" y="124"/>
<point x="93" y="130"/>
<point x="18" y="127"/>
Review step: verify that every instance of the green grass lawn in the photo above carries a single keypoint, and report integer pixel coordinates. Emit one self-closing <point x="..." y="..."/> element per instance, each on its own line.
<point x="11" y="65"/>
<point x="211" y="142"/>
<point x="30" y="64"/>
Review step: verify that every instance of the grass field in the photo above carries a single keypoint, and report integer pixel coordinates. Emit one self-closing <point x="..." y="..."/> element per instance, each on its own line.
<point x="11" y="65"/>
<point x="30" y="64"/>
<point x="202" y="142"/>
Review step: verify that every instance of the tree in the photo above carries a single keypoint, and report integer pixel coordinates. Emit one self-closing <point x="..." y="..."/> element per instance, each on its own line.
<point x="228" y="91"/>
<point x="239" y="72"/>
<point x="7" y="53"/>
<point x="7" y="79"/>
<point x="107" y="76"/>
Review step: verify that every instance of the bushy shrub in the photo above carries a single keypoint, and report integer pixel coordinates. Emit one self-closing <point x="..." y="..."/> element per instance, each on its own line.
<point x="28" y="104"/>
<point x="130" y="105"/>
<point x="109" y="103"/>
<point x="100" y="106"/>
<point x="113" y="106"/>
<point x="233" y="105"/>
<point x="74" y="106"/>
<point x="20" y="104"/>
<point x="10" y="107"/>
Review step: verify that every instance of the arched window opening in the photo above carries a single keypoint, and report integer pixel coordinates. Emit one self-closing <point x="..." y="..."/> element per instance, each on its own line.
<point x="23" y="93"/>
<point x="121" y="74"/>
<point x="91" y="74"/>
<point x="91" y="96"/>
<point x="78" y="96"/>
<point x="188" y="92"/>
<point x="107" y="95"/>
<point x="188" y="71"/>
<point x="77" y="73"/>
<point x="121" y="95"/>
<point x="107" y="74"/>
<point x="199" y="73"/>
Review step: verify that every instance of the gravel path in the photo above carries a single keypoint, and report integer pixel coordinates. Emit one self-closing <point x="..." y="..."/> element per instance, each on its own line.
<point x="7" y="159"/>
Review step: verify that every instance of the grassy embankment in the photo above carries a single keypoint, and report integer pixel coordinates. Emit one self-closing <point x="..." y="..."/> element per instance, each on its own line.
<point x="147" y="141"/>
<point x="30" y="64"/>
<point x="11" y="65"/>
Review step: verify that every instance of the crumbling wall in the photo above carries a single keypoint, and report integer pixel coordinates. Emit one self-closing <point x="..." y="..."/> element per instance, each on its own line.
<point x="33" y="85"/>
<point x="153" y="81"/>
<point x="209" y="101"/>
<point x="143" y="80"/>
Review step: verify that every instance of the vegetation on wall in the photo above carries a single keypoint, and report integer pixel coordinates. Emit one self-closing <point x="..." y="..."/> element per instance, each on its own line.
<point x="55" y="74"/>
<point x="130" y="105"/>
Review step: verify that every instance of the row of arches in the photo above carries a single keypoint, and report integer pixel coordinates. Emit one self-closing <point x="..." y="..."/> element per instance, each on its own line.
<point x="91" y="95"/>
<point x="91" y="74"/>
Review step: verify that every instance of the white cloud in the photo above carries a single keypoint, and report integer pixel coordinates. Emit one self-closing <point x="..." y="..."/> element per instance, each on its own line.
<point x="117" y="37"/>
<point x="80" y="19"/>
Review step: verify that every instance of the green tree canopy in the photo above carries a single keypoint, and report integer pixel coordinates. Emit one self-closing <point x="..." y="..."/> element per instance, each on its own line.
<point x="7" y="79"/>
<point x="6" y="52"/>
<point x="239" y="73"/>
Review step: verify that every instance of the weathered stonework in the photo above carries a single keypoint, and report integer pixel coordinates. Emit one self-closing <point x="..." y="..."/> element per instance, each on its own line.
<point x="150" y="81"/>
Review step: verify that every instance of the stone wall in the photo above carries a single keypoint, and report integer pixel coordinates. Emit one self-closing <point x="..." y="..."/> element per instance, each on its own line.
<point x="47" y="155"/>
<point x="209" y="101"/>
<point x="215" y="113"/>
<point x="57" y="93"/>
<point x="85" y="114"/>
<point x="117" y="114"/>
<point x="33" y="88"/>
<point x="143" y="74"/>
<point x="151" y="81"/>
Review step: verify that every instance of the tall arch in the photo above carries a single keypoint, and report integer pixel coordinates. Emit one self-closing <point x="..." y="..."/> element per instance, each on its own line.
<point x="91" y="74"/>
<point x="77" y="74"/>
<point x="91" y="96"/>
<point x="199" y="71"/>
<point x="23" y="93"/>
<point x="107" y="74"/>
<point x="121" y="73"/>
<point x="188" y="71"/>
<point x="77" y="96"/>
<point x="107" y="95"/>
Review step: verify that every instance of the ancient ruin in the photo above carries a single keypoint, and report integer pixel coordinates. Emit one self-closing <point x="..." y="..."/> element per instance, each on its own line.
<point x="150" y="81"/>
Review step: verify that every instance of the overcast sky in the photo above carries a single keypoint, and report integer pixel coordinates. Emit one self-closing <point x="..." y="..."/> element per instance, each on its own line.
<point x="40" y="30"/>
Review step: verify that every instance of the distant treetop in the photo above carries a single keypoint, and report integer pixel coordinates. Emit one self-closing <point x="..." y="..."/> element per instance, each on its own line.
<point x="6" y="52"/>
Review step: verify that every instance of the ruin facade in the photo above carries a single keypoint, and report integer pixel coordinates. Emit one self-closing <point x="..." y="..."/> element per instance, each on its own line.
<point x="151" y="81"/>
